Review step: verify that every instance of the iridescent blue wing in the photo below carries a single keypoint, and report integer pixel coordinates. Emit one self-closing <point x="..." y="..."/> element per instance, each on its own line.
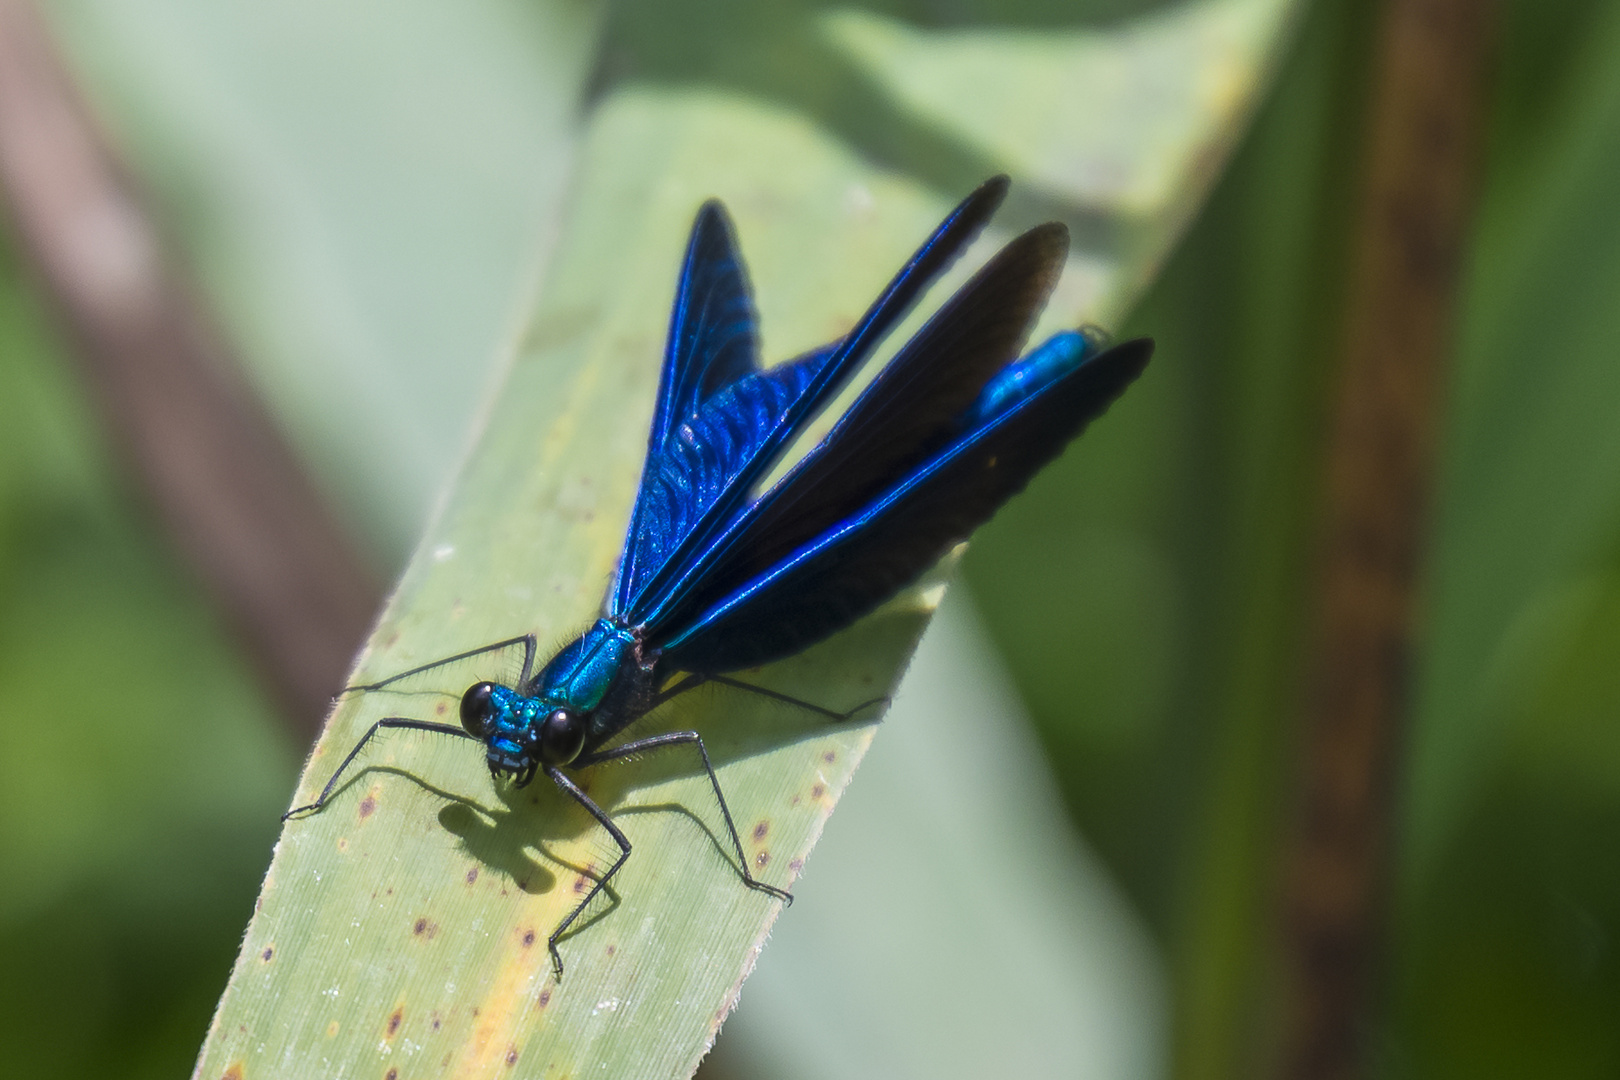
<point x="713" y="342"/>
<point x="686" y="479"/>
<point x="1020" y="421"/>
<point x="713" y="327"/>
<point x="908" y="413"/>
<point x="698" y="479"/>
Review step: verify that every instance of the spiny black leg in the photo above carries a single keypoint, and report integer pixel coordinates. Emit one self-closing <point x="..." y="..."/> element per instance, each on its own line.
<point x="831" y="714"/>
<point x="682" y="738"/>
<point x="624" y="853"/>
<point x="526" y="640"/>
<point x="386" y="722"/>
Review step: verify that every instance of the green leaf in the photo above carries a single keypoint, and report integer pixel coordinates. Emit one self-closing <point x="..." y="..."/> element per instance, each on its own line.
<point x="423" y="891"/>
<point x="408" y="919"/>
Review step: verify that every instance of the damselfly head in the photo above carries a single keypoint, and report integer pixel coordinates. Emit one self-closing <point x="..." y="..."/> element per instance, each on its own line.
<point x="521" y="733"/>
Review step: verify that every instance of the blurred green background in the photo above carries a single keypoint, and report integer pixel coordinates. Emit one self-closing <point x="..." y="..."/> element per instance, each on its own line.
<point x="364" y="196"/>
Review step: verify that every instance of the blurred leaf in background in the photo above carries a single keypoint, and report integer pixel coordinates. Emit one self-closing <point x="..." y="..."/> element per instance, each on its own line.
<point x="363" y="193"/>
<point x="1168" y="721"/>
<point x="327" y="173"/>
<point x="139" y="769"/>
<point x="1148" y="595"/>
<point x="1509" y="885"/>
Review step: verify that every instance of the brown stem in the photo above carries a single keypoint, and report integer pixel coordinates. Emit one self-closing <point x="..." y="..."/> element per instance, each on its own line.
<point x="1422" y="135"/>
<point x="232" y="494"/>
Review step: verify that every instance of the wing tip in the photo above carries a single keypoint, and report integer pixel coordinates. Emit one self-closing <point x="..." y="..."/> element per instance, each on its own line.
<point x="1113" y="370"/>
<point x="1050" y="244"/>
<point x="1132" y="355"/>
<point x="995" y="188"/>
<point x="980" y="205"/>
<point x="712" y="222"/>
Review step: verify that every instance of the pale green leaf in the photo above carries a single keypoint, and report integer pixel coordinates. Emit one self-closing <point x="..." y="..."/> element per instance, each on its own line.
<point x="406" y="923"/>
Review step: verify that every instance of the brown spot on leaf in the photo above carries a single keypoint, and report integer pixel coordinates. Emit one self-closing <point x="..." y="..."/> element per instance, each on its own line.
<point x="234" y="1072"/>
<point x="511" y="1057"/>
<point x="425" y="928"/>
<point x="437" y="1023"/>
<point x="269" y="951"/>
<point x="818" y="791"/>
<point x="545" y="997"/>
<point x="829" y="757"/>
<point x="528" y="938"/>
<point x="612" y="949"/>
<point x="367" y="805"/>
<point x="581" y="883"/>
<point x="394" y="1021"/>
<point x="761" y="829"/>
<point x="391" y="1074"/>
<point x="472" y="875"/>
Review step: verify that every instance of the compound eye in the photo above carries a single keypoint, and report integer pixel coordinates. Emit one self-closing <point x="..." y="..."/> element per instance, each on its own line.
<point x="476" y="708"/>
<point x="562" y="736"/>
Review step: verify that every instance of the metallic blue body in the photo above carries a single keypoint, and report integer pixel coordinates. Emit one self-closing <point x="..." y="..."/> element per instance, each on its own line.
<point x="1057" y="356"/>
<point x="581" y="675"/>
